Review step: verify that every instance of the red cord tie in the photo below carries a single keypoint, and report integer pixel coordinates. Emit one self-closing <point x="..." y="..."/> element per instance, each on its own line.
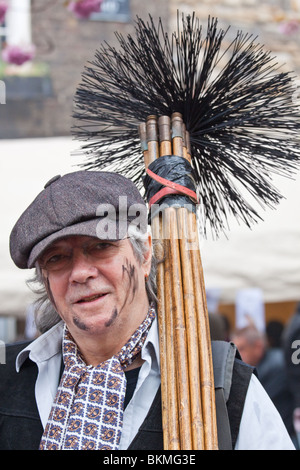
<point x="170" y="188"/>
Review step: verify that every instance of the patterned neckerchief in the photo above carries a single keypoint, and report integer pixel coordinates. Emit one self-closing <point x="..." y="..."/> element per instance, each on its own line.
<point x="87" y="413"/>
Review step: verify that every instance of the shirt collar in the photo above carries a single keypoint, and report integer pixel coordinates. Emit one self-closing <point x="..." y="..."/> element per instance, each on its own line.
<point x="151" y="346"/>
<point x="43" y="348"/>
<point x="50" y="343"/>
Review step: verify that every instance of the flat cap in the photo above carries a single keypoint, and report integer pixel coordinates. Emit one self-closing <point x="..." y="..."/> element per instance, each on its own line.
<point x="93" y="203"/>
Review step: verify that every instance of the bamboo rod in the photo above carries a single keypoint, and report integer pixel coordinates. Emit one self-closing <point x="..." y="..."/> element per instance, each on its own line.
<point x="144" y="145"/>
<point x="179" y="331"/>
<point x="184" y="144"/>
<point x="198" y="327"/>
<point x="188" y="404"/>
<point x="178" y="380"/>
<point x="206" y="366"/>
<point x="152" y="138"/>
<point x="191" y="329"/>
<point x="177" y="135"/>
<point x="170" y="418"/>
<point x="187" y="314"/>
<point x="189" y="342"/>
<point x="164" y="132"/>
<point x="203" y="332"/>
<point x="188" y="145"/>
<point x="172" y="438"/>
<point x="164" y="330"/>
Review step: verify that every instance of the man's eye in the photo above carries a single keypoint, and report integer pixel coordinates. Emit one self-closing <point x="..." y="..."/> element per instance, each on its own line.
<point x="102" y="245"/>
<point x="101" y="249"/>
<point x="55" y="260"/>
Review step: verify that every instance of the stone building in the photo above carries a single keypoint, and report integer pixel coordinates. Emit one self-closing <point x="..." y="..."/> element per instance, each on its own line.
<point x="265" y="19"/>
<point x="41" y="105"/>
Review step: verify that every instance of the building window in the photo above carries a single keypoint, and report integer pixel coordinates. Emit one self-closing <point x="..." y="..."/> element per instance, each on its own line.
<point x="18" y="22"/>
<point x="113" y="10"/>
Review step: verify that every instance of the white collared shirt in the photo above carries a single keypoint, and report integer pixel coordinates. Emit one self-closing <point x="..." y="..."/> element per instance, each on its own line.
<point x="261" y="425"/>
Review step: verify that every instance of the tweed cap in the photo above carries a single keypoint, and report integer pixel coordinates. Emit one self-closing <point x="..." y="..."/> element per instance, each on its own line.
<point x="93" y="203"/>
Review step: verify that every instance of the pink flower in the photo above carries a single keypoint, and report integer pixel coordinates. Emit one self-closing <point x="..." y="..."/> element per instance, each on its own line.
<point x="17" y="55"/>
<point x="3" y="9"/>
<point x="289" y="27"/>
<point x="84" y="8"/>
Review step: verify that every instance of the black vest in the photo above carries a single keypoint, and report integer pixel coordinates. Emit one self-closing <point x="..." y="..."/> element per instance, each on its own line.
<point x="21" y="427"/>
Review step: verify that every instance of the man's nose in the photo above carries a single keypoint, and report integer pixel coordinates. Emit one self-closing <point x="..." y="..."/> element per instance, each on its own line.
<point x="83" y="268"/>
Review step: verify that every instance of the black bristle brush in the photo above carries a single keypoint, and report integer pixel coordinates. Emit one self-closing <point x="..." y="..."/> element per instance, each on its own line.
<point x="237" y="106"/>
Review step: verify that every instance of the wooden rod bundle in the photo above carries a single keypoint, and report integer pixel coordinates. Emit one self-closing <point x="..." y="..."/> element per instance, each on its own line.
<point x="188" y="402"/>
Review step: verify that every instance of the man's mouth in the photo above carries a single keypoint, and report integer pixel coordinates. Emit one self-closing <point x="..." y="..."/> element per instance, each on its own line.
<point x="90" y="298"/>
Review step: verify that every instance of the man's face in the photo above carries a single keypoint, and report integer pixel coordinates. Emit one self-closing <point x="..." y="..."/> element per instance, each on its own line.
<point x="251" y="353"/>
<point x="98" y="287"/>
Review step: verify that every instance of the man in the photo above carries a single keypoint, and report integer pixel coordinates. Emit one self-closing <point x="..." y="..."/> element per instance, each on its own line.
<point x="269" y="363"/>
<point x="92" y="379"/>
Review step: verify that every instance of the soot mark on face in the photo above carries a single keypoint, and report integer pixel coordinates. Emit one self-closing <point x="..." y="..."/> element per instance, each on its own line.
<point x="129" y="271"/>
<point x="80" y="324"/>
<point x="130" y="276"/>
<point x="112" y="318"/>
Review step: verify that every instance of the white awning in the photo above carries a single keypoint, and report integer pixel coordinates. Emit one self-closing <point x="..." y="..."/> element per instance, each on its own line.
<point x="268" y="256"/>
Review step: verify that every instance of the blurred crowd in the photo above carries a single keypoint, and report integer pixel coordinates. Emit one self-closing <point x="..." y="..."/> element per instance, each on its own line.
<point x="275" y="354"/>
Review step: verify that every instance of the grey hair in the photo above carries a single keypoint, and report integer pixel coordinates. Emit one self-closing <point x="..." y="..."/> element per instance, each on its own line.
<point x="45" y="314"/>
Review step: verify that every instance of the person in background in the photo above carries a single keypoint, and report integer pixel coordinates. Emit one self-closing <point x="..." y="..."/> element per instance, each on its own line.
<point x="269" y="363"/>
<point x="274" y="330"/>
